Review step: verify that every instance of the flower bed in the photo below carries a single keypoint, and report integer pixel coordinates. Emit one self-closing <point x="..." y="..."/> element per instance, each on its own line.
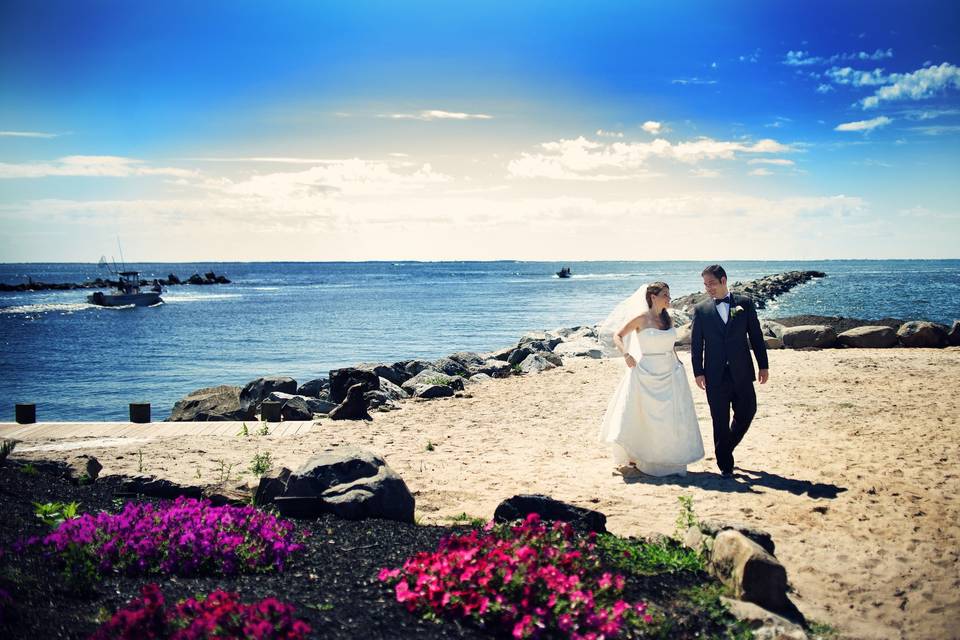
<point x="526" y="579"/>
<point x="218" y="615"/>
<point x="186" y="537"/>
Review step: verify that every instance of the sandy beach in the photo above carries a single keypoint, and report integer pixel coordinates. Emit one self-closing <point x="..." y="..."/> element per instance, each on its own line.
<point x="851" y="465"/>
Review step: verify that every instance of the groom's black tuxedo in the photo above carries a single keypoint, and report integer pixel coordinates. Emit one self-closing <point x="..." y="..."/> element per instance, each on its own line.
<point x="721" y="354"/>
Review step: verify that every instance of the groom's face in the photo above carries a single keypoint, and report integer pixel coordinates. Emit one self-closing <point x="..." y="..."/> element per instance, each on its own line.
<point x="714" y="288"/>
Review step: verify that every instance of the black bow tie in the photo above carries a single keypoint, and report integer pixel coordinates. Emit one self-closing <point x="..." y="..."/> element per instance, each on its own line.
<point x="727" y="300"/>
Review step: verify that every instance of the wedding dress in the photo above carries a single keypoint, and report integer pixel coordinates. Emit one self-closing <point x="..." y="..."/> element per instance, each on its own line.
<point x="650" y="420"/>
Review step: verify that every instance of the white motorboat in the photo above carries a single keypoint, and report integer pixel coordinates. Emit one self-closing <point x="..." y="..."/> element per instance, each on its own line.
<point x="127" y="293"/>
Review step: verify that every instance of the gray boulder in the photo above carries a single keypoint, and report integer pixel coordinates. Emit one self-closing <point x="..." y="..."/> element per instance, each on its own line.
<point x="272" y="484"/>
<point x="450" y="367"/>
<point x="502" y="354"/>
<point x="540" y="346"/>
<point x="772" y="329"/>
<point x="343" y="379"/>
<point x="478" y="378"/>
<point x="679" y="317"/>
<point x="210" y="403"/>
<point x="317" y="388"/>
<point x="573" y="333"/>
<point x="820" y="336"/>
<point x="684" y="334"/>
<point x="535" y="363"/>
<point x="388" y="395"/>
<point x="256" y="391"/>
<point x="432" y="376"/>
<point x="353" y="407"/>
<point x="920" y="333"/>
<point x="468" y="359"/>
<point x="547" y="337"/>
<point x="580" y="349"/>
<point x="764" y="625"/>
<point x="773" y="343"/>
<point x="520" y="506"/>
<point x="413" y="367"/>
<point x="296" y="407"/>
<point x="395" y="373"/>
<point x="352" y="483"/>
<point x="868" y="337"/>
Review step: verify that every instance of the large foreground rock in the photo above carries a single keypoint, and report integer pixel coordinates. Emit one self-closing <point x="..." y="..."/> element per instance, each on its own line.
<point x="868" y="337"/>
<point x="351" y="483"/>
<point x="520" y="506"/>
<point x="920" y="333"/>
<point x="256" y="391"/>
<point x="535" y="363"/>
<point x="342" y="379"/>
<point x="432" y="377"/>
<point x="209" y="404"/>
<point x="583" y="348"/>
<point x="810" y="335"/>
<point x="750" y="572"/>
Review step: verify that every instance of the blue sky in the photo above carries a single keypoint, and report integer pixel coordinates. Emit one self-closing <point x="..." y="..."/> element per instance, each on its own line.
<point x="381" y="130"/>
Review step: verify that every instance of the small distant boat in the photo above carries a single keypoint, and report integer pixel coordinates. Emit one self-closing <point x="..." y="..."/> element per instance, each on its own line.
<point x="564" y="272"/>
<point x="127" y="293"/>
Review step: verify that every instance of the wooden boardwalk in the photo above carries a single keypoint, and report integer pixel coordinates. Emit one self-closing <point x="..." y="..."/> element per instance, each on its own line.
<point x="47" y="431"/>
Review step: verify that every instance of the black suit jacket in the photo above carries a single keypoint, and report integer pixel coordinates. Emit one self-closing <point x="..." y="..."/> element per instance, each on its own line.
<point x="715" y="345"/>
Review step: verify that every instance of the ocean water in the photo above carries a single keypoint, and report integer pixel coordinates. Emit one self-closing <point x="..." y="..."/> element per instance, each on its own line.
<point x="80" y="362"/>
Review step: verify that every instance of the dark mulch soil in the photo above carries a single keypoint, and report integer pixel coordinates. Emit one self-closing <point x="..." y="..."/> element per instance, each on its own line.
<point x="839" y="324"/>
<point x="332" y="583"/>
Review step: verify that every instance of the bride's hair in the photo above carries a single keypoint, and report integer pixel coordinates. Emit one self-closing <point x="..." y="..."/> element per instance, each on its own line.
<point x="654" y="288"/>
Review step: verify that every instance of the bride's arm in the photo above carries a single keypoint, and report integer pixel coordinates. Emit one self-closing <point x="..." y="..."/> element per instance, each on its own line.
<point x="633" y="325"/>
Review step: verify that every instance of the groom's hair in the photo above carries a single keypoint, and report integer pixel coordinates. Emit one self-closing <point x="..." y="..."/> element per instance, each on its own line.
<point x="716" y="271"/>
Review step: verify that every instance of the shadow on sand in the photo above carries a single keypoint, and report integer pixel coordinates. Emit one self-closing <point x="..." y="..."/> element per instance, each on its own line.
<point x="743" y="481"/>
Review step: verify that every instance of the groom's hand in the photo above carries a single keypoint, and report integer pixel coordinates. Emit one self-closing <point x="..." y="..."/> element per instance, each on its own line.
<point x="701" y="382"/>
<point x="763" y="375"/>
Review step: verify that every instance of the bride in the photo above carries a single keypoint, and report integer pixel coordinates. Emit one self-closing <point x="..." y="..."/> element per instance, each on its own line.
<point x="650" y="421"/>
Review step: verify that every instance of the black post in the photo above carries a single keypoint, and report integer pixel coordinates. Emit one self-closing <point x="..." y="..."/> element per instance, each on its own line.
<point x="140" y="412"/>
<point x="26" y="413"/>
<point x="270" y="411"/>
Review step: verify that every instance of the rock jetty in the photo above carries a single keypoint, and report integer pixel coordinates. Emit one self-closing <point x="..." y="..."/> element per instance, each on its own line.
<point x="762" y="290"/>
<point x="105" y="283"/>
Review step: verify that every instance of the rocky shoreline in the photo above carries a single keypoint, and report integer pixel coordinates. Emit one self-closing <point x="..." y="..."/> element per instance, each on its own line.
<point x="103" y="283"/>
<point x="350" y="393"/>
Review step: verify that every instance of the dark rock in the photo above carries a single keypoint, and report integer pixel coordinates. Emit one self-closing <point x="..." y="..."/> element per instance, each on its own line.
<point x="431" y="376"/>
<point x="540" y="346"/>
<point x="752" y="573"/>
<point x="761" y="290"/>
<point x="761" y="537"/>
<point x="210" y="404"/>
<point x="353" y="407"/>
<point x="838" y="323"/>
<point x="159" y="488"/>
<point x="518" y="355"/>
<point x="868" y="337"/>
<point x="272" y="484"/>
<point x="353" y="484"/>
<point x="430" y="391"/>
<point x="172" y="279"/>
<point x="256" y="391"/>
<point x="919" y="333"/>
<point x="502" y="354"/>
<point x="343" y="379"/>
<point x="494" y="369"/>
<point x="301" y="407"/>
<point x="314" y="388"/>
<point x="953" y="336"/>
<point x="520" y="506"/>
<point x="413" y="367"/>
<point x="449" y="367"/>
<point x="468" y="359"/>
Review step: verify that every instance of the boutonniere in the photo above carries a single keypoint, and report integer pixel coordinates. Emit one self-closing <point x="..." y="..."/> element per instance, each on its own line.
<point x="735" y="311"/>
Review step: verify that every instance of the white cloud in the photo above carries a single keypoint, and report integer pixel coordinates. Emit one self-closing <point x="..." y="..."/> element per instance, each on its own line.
<point x="583" y="159"/>
<point x="652" y="126"/>
<point x="27" y="134"/>
<point x="937" y="130"/>
<point x="804" y="59"/>
<point x="437" y="114"/>
<point x="269" y="159"/>
<point x="824" y="88"/>
<point x="782" y="162"/>
<point x="864" y="125"/>
<point x="701" y="172"/>
<point x="922" y="83"/>
<point x="752" y="57"/>
<point x="693" y="80"/>
<point x="857" y="78"/>
<point x="609" y="134"/>
<point x="91" y="166"/>
<point x="761" y="172"/>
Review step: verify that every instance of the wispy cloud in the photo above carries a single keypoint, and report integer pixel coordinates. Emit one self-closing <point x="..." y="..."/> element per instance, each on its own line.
<point x="583" y="159"/>
<point x="864" y="125"/>
<point x="751" y="57"/>
<point x="805" y="59"/>
<point x="761" y="172"/>
<point x="693" y="80"/>
<point x="437" y="114"/>
<point x="609" y="134"/>
<point x="922" y="83"/>
<point x="268" y="159"/>
<point x="783" y="162"/>
<point x="90" y="166"/>
<point x="28" y="134"/>
<point x="937" y="130"/>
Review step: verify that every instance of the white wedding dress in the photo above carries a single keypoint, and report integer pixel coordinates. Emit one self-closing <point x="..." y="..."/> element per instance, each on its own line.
<point x="650" y="419"/>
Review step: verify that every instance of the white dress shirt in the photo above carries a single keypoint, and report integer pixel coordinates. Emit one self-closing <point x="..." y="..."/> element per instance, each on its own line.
<point x="724" y="310"/>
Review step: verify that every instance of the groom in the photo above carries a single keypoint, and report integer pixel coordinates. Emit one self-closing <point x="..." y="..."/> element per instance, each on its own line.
<point x="722" y="363"/>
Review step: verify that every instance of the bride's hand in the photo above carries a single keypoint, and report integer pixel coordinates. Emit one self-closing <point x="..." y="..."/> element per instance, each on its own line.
<point x="630" y="361"/>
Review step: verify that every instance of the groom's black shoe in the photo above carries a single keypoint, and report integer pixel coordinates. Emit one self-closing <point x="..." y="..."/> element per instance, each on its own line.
<point x="727" y="474"/>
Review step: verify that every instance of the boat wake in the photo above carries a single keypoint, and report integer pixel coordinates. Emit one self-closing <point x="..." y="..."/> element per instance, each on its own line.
<point x="50" y="307"/>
